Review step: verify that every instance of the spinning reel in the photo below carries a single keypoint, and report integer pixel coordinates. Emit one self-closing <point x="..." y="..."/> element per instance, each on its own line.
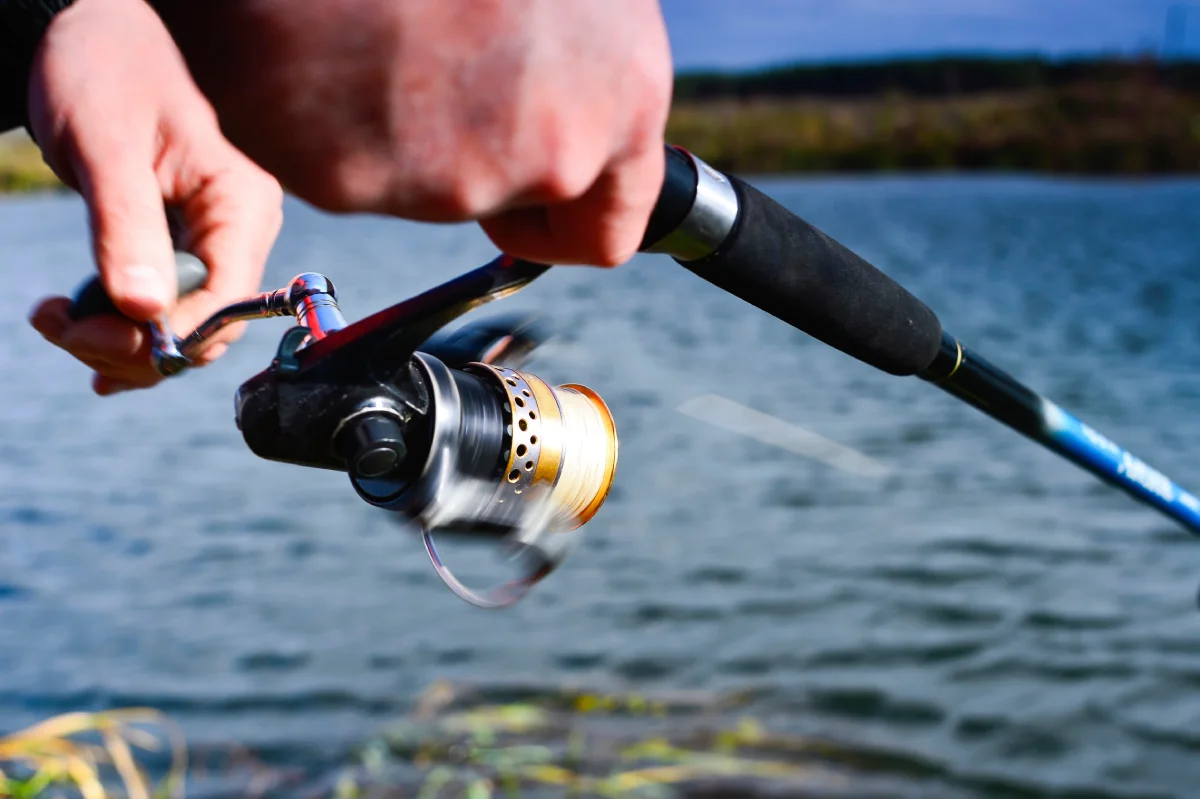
<point x="439" y="427"/>
<point x="444" y="430"/>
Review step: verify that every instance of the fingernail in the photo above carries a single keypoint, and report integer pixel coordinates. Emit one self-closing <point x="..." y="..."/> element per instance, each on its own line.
<point x="144" y="284"/>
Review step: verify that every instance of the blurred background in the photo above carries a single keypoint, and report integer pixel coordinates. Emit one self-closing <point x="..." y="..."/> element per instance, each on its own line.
<point x="977" y="618"/>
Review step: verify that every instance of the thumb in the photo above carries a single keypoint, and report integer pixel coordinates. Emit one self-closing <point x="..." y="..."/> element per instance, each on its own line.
<point x="131" y="240"/>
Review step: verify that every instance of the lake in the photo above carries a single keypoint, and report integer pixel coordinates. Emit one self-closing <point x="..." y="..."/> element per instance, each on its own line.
<point x="985" y="606"/>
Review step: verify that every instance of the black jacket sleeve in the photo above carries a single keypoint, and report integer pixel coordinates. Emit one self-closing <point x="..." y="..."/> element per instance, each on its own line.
<point x="22" y="23"/>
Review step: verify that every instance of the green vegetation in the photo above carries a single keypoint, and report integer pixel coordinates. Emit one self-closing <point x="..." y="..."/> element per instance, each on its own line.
<point x="1094" y="129"/>
<point x="22" y="168"/>
<point x="461" y="742"/>
<point x="1083" y="117"/>
<point x="54" y="758"/>
<point x="947" y="76"/>
<point x="578" y="744"/>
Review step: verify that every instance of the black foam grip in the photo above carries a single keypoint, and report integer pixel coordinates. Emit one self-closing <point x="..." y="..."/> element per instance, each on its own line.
<point x="92" y="300"/>
<point x="674" y="199"/>
<point x="779" y="263"/>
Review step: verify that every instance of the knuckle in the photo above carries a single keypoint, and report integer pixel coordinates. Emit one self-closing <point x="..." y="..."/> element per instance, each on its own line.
<point x="274" y="214"/>
<point x="261" y="196"/>
<point x="614" y="250"/>
<point x="566" y="178"/>
<point x="347" y="185"/>
<point x="569" y="162"/>
<point x="651" y="93"/>
<point x="270" y="194"/>
<point x="660" y="86"/>
<point x="604" y="239"/>
<point x="466" y="195"/>
<point x="461" y="191"/>
<point x="197" y="113"/>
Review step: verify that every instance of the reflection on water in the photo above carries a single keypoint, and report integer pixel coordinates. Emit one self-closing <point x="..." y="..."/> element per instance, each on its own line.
<point x="984" y="606"/>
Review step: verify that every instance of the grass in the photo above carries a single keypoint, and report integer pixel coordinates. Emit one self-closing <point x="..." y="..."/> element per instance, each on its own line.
<point x="22" y="169"/>
<point x="1129" y="125"/>
<point x="470" y="744"/>
<point x="1127" y="128"/>
<point x="53" y="758"/>
<point x="462" y="743"/>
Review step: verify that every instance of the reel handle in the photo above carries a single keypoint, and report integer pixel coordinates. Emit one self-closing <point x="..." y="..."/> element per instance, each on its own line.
<point x="92" y="299"/>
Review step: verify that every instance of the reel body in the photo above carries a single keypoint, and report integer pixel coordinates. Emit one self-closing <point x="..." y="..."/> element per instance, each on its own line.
<point x="449" y="442"/>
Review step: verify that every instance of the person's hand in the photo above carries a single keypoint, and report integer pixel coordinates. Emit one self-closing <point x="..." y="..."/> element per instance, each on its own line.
<point x="543" y="119"/>
<point x="119" y="119"/>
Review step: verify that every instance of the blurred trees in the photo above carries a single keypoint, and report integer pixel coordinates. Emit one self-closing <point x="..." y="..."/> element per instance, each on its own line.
<point x="1101" y="116"/>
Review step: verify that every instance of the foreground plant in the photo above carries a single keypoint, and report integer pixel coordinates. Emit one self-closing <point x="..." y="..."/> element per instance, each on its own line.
<point x="53" y="757"/>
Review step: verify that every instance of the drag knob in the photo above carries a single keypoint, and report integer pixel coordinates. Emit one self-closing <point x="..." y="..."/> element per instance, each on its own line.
<point x="372" y="445"/>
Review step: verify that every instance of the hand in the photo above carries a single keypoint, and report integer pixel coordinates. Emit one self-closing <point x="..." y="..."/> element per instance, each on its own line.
<point x="119" y="119"/>
<point x="543" y="119"/>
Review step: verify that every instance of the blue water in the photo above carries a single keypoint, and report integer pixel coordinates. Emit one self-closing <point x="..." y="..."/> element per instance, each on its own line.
<point x="987" y="607"/>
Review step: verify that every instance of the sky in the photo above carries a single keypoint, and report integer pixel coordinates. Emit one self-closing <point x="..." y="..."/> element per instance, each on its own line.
<point x="751" y="33"/>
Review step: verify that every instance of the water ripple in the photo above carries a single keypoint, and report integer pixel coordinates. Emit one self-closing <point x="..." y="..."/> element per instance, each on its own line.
<point x="875" y="705"/>
<point x="272" y="661"/>
<point x="996" y="622"/>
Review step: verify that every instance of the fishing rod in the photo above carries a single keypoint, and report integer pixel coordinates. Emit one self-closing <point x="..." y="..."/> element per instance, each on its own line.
<point x="443" y="429"/>
<point x="730" y="234"/>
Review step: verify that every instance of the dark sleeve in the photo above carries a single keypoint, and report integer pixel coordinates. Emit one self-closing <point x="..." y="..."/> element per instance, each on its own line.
<point x="22" y="23"/>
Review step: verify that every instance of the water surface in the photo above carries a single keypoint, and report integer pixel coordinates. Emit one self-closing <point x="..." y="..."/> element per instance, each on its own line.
<point x="988" y="607"/>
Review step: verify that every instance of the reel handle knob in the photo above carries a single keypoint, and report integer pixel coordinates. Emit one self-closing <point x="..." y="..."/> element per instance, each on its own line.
<point x="91" y="299"/>
<point x="372" y="444"/>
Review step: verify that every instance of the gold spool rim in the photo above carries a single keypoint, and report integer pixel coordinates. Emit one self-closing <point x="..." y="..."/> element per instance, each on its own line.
<point x="549" y="466"/>
<point x="543" y="424"/>
<point x="610" y="453"/>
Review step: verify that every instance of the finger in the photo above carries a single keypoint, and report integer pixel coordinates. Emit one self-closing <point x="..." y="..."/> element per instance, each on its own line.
<point x="111" y="345"/>
<point x="108" y="338"/>
<point x="232" y="221"/>
<point x="130" y="238"/>
<point x="210" y="353"/>
<point x="117" y="354"/>
<point x="103" y="339"/>
<point x="121" y="372"/>
<point x="116" y="370"/>
<point x="106" y="386"/>
<point x="51" y="317"/>
<point x="604" y="227"/>
<point x="120" y="349"/>
<point x="114" y="348"/>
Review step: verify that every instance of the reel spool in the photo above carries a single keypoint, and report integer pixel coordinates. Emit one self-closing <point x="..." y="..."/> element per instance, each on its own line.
<point x="508" y="457"/>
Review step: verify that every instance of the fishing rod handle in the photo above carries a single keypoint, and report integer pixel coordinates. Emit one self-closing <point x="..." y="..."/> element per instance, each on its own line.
<point x="735" y="237"/>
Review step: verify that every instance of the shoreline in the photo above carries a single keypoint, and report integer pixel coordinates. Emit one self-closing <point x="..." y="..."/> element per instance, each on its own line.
<point x="1081" y="130"/>
<point x="22" y="170"/>
<point x="1124" y="130"/>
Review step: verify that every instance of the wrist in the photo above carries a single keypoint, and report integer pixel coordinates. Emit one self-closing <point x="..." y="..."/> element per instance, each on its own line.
<point x="23" y="24"/>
